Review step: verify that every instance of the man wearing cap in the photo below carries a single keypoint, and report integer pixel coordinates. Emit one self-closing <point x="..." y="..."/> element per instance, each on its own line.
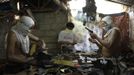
<point x="18" y="43"/>
<point x="111" y="41"/>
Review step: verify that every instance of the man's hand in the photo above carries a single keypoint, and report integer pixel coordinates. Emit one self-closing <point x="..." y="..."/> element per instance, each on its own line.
<point x="41" y="44"/>
<point x="92" y="40"/>
<point x="30" y="60"/>
<point x="93" y="36"/>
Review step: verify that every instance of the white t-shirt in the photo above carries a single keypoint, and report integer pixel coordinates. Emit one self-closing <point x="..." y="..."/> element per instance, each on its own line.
<point x="67" y="35"/>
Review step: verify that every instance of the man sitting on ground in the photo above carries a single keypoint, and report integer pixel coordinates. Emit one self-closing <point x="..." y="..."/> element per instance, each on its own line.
<point x="67" y="38"/>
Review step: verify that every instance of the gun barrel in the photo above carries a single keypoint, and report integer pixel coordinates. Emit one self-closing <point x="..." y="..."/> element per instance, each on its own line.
<point x="89" y="30"/>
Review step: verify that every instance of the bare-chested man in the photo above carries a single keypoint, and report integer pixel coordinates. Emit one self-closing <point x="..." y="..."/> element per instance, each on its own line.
<point x="111" y="41"/>
<point x="18" y="43"/>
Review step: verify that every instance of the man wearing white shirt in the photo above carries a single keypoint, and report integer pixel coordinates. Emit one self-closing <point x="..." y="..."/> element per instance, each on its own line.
<point x="67" y="38"/>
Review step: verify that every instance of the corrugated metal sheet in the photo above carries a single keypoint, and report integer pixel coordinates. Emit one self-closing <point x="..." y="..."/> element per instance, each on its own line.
<point x="50" y="24"/>
<point x="125" y="2"/>
<point x="3" y="30"/>
<point x="5" y="24"/>
<point x="2" y="1"/>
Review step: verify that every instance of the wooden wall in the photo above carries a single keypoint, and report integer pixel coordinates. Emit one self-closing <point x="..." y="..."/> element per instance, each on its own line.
<point x="50" y="24"/>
